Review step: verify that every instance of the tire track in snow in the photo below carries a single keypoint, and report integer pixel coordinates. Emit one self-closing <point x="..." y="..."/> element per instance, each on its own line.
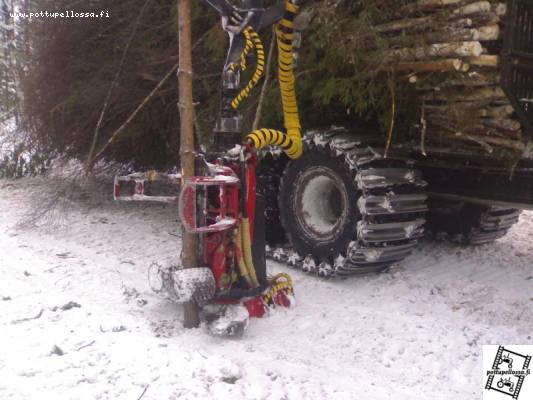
<point x="415" y="332"/>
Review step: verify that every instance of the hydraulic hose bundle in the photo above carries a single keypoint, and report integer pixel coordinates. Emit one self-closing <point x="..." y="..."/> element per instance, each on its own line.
<point x="290" y="142"/>
<point x="252" y="41"/>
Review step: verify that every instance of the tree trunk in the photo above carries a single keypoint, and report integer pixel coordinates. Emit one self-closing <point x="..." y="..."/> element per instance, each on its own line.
<point x="497" y="112"/>
<point x="189" y="245"/>
<point x="511" y="144"/>
<point x="483" y="33"/>
<point x="427" y="5"/>
<point x="485" y="61"/>
<point x="456" y="49"/>
<point x="483" y="93"/>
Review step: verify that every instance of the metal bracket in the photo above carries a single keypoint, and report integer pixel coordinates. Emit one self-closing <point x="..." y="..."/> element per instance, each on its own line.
<point x="140" y="179"/>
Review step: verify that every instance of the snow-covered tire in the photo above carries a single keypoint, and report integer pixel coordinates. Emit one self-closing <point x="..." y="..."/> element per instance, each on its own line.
<point x="347" y="210"/>
<point x="469" y="223"/>
<point x="318" y="204"/>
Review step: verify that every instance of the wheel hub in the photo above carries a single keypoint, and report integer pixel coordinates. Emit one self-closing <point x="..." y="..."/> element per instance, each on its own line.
<point x="321" y="203"/>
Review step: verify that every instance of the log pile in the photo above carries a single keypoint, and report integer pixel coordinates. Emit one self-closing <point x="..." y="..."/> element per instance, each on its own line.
<point x="454" y="68"/>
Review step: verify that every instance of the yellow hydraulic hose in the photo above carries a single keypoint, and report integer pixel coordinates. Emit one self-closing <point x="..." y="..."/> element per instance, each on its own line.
<point x="292" y="140"/>
<point x="279" y="282"/>
<point x="243" y="269"/>
<point x="267" y="137"/>
<point x="246" y="247"/>
<point x="248" y="47"/>
<point x="285" y="37"/>
<point x="251" y="37"/>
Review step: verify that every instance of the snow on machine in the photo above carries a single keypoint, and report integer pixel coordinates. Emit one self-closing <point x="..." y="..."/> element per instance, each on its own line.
<point x="344" y="200"/>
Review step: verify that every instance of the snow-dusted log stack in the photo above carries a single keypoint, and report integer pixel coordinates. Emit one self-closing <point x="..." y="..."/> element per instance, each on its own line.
<point x="450" y="51"/>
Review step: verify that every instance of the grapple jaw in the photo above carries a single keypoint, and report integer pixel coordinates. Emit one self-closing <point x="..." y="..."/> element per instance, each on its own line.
<point x="147" y="186"/>
<point x="183" y="285"/>
<point x="195" y="213"/>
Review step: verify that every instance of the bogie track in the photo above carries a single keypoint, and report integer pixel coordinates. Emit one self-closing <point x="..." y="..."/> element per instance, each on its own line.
<point x="468" y="223"/>
<point x="367" y="211"/>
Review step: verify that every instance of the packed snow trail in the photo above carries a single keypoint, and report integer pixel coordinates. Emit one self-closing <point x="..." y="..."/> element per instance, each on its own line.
<point x="413" y="333"/>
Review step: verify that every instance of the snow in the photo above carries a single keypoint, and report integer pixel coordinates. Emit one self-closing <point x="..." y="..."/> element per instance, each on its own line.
<point x="413" y="333"/>
<point x="293" y="258"/>
<point x="7" y="137"/>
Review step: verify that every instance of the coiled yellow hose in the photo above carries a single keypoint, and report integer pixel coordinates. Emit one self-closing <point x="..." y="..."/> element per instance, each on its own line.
<point x="251" y="37"/>
<point x="248" y="47"/>
<point x="285" y="37"/>
<point x="290" y="142"/>
<point x="239" y="255"/>
<point x="271" y="137"/>
<point x="279" y="282"/>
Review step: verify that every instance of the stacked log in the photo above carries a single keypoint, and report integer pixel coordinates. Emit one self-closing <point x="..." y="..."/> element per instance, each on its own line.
<point x="454" y="67"/>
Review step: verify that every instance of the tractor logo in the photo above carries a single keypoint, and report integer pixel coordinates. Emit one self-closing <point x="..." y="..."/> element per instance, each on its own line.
<point x="509" y="371"/>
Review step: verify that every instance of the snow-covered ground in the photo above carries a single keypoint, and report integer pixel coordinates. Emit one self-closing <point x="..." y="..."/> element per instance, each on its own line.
<point x="413" y="333"/>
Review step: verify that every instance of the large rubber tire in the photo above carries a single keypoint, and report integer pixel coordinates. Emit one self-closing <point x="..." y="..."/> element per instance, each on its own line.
<point x="346" y="210"/>
<point x="318" y="205"/>
<point x="469" y="223"/>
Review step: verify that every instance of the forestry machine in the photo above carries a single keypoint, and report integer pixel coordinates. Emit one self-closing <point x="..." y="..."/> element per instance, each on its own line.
<point x="221" y="205"/>
<point x="334" y="202"/>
